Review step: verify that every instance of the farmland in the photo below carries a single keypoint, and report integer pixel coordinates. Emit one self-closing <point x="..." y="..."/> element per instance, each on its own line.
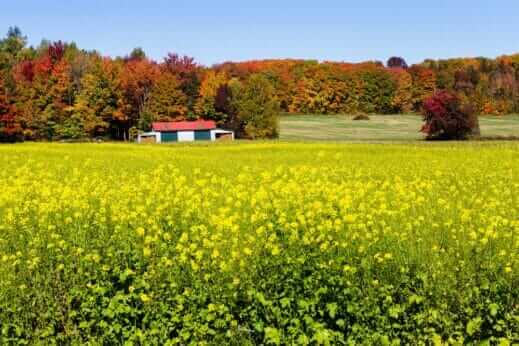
<point x="259" y="243"/>
<point x="379" y="127"/>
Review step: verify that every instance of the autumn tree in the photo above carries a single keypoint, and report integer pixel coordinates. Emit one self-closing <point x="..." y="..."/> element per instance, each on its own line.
<point x="188" y="72"/>
<point x="324" y="89"/>
<point x="98" y="105"/>
<point x="402" y="101"/>
<point x="80" y="64"/>
<point x="447" y="118"/>
<point x="206" y="104"/>
<point x="397" y="62"/>
<point x="10" y="130"/>
<point x="138" y="78"/>
<point x="44" y="92"/>
<point x="167" y="102"/>
<point x="424" y="85"/>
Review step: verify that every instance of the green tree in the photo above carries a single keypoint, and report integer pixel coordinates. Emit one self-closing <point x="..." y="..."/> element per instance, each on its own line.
<point x="11" y="47"/>
<point x="257" y="108"/>
<point x="11" y="52"/>
<point x="378" y="89"/>
<point x="137" y="54"/>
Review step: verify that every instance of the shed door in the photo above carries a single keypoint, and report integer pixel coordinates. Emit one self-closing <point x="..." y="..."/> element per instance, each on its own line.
<point x="202" y="135"/>
<point x="169" y="137"/>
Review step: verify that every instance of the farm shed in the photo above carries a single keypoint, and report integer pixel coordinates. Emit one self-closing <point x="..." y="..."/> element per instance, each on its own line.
<point x="185" y="131"/>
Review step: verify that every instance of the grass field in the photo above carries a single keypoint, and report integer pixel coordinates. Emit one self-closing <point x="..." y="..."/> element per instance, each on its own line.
<point x="378" y="128"/>
<point x="259" y="243"/>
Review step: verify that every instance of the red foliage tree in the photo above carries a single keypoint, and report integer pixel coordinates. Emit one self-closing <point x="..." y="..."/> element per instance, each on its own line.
<point x="10" y="130"/>
<point x="176" y="64"/>
<point x="56" y="51"/>
<point x="446" y="118"/>
<point x="188" y="73"/>
<point x="25" y="71"/>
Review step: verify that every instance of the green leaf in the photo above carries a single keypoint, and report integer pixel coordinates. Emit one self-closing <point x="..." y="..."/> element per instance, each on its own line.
<point x="394" y="311"/>
<point x="493" y="308"/>
<point x="474" y="325"/>
<point x="261" y="298"/>
<point x="303" y="340"/>
<point x="272" y="336"/>
<point x="415" y="299"/>
<point x="322" y="337"/>
<point x="504" y="342"/>
<point x="332" y="309"/>
<point x="384" y="340"/>
<point x="437" y="340"/>
<point x="285" y="302"/>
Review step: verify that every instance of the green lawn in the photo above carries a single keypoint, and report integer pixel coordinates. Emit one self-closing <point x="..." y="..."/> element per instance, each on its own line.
<point x="378" y="128"/>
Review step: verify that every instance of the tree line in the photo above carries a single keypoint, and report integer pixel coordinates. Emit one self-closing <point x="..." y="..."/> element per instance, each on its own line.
<point x="58" y="91"/>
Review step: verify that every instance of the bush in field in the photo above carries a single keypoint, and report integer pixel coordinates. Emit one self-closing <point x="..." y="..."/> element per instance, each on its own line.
<point x="361" y="117"/>
<point x="446" y="118"/>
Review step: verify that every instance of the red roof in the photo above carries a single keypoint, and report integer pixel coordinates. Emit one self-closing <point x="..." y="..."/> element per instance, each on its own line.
<point x="184" y="126"/>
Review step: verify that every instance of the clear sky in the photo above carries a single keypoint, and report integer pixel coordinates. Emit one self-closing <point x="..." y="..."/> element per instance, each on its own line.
<point x="222" y="30"/>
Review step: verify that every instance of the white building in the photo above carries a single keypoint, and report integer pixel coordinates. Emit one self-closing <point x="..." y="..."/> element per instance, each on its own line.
<point x="185" y="131"/>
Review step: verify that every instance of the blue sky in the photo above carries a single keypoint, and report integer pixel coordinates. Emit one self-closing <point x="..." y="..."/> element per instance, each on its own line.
<point x="217" y="31"/>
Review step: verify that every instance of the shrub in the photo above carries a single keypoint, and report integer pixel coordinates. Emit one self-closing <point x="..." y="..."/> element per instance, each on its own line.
<point x="361" y="117"/>
<point x="447" y="119"/>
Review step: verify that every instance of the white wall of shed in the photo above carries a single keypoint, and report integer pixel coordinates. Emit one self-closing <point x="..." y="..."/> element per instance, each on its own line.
<point x="186" y="136"/>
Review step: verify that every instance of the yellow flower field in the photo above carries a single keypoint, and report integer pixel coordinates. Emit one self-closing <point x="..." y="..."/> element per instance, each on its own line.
<point x="265" y="243"/>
